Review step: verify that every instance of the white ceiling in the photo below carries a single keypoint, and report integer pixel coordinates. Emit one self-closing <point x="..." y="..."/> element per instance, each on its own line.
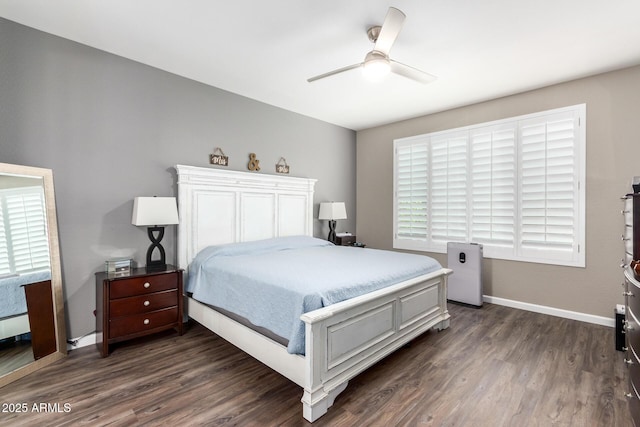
<point x="265" y="50"/>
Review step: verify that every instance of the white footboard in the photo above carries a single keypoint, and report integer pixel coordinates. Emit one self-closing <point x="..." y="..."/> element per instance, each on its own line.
<point x="344" y="339"/>
<point x="12" y="326"/>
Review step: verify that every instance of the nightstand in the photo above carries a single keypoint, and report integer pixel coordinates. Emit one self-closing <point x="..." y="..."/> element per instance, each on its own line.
<point x="345" y="240"/>
<point x="349" y="241"/>
<point x="138" y="304"/>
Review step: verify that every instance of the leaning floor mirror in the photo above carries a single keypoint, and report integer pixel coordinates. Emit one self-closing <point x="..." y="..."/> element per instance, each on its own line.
<point x="32" y="328"/>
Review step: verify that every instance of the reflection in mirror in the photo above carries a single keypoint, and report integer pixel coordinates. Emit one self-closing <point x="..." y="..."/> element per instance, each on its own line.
<point x="31" y="310"/>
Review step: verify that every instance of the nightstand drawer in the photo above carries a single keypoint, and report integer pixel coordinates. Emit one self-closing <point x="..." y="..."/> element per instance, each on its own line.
<point x="143" y="303"/>
<point x="128" y="325"/>
<point x="123" y="288"/>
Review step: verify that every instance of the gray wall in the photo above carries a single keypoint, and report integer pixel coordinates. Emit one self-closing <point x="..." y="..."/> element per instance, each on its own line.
<point x="613" y="158"/>
<point x="111" y="129"/>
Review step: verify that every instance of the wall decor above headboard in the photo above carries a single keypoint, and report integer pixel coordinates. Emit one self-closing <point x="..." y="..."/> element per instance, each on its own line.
<point x="254" y="163"/>
<point x="219" y="206"/>
<point x="282" y="166"/>
<point x="218" y="157"/>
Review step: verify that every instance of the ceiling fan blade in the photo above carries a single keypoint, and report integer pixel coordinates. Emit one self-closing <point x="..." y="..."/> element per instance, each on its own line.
<point x="411" y="73"/>
<point x="390" y="30"/>
<point x="334" y="72"/>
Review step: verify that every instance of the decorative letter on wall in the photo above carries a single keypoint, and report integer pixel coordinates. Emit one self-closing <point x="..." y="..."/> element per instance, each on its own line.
<point x="254" y="164"/>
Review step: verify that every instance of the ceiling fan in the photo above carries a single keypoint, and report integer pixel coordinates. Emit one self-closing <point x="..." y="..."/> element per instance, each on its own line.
<point x="377" y="63"/>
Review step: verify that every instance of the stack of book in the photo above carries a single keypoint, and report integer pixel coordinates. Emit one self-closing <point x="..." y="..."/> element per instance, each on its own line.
<point x="118" y="266"/>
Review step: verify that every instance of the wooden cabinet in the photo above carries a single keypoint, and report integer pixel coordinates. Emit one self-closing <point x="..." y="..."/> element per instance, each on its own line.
<point x="632" y="332"/>
<point x="631" y="238"/>
<point x="141" y="303"/>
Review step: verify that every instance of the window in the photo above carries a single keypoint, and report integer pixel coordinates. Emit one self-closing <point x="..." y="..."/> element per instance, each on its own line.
<point x="514" y="185"/>
<point x="24" y="246"/>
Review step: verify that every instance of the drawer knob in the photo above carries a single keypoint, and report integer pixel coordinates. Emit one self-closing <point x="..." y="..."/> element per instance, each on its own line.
<point x="146" y="321"/>
<point x="627" y="294"/>
<point x="147" y="285"/>
<point x="628" y="361"/>
<point x="146" y="303"/>
<point x="628" y="395"/>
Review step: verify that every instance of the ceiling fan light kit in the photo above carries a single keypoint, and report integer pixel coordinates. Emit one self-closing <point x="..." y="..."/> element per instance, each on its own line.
<point x="376" y="63"/>
<point x="376" y="66"/>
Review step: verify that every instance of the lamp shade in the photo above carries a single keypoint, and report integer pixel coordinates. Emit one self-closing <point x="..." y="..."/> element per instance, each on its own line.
<point x="332" y="211"/>
<point x="150" y="211"/>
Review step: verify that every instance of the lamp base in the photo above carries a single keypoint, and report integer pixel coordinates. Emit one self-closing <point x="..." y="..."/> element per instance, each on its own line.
<point x="156" y="266"/>
<point x="332" y="231"/>
<point x="160" y="263"/>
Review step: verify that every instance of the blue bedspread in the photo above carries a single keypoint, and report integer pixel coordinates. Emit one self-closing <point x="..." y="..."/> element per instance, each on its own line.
<point x="273" y="282"/>
<point x="12" y="296"/>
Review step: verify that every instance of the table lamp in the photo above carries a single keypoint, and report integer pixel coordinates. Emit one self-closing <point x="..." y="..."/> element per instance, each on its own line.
<point x="332" y="211"/>
<point x="155" y="213"/>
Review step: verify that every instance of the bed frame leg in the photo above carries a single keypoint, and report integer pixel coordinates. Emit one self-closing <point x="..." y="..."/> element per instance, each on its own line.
<point x="442" y="325"/>
<point x="315" y="404"/>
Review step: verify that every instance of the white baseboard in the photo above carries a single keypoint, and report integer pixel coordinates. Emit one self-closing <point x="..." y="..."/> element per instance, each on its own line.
<point x="558" y="312"/>
<point x="81" y="342"/>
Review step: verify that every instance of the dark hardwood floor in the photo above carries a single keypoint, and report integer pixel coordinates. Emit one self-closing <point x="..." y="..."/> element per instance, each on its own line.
<point x="14" y="355"/>
<point x="494" y="366"/>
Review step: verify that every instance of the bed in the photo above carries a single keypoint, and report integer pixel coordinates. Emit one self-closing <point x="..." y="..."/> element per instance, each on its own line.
<point x="223" y="208"/>
<point x="14" y="320"/>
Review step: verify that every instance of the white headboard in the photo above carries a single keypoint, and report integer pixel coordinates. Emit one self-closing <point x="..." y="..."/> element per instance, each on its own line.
<point x="218" y="206"/>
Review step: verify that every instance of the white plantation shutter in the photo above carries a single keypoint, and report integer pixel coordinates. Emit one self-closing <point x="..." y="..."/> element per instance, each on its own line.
<point x="411" y="190"/>
<point x="513" y="185"/>
<point x="493" y="172"/>
<point x="449" y="188"/>
<point x="5" y="265"/>
<point x="548" y="184"/>
<point x="24" y="235"/>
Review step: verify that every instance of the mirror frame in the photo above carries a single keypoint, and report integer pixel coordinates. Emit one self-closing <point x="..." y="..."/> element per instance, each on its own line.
<point x="56" y="274"/>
